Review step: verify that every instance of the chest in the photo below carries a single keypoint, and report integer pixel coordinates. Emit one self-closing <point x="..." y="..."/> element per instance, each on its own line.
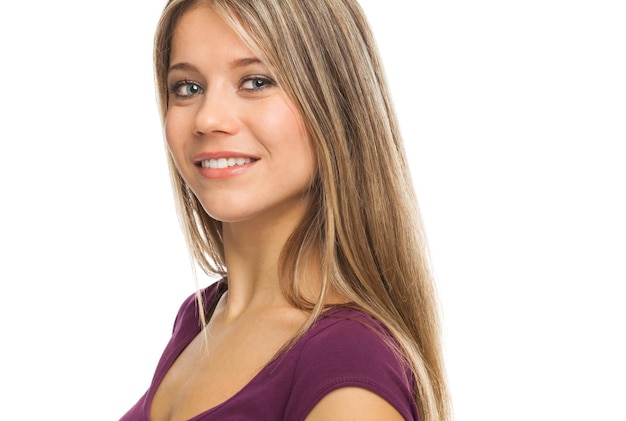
<point x="216" y="365"/>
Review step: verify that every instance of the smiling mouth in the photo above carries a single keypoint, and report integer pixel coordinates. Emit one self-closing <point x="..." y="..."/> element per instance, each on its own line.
<point x="224" y="162"/>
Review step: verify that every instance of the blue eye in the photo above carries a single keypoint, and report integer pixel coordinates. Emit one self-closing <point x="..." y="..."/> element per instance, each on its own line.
<point x="256" y="83"/>
<point x="186" y="89"/>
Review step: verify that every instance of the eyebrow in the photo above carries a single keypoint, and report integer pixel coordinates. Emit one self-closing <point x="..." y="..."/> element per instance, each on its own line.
<point x="181" y="66"/>
<point x="241" y="62"/>
<point x="246" y="61"/>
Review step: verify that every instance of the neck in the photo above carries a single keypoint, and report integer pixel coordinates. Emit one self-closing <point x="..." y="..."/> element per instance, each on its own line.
<point x="252" y="252"/>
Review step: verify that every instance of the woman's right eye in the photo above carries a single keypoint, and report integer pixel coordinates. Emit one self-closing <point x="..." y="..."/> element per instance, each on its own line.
<point x="185" y="89"/>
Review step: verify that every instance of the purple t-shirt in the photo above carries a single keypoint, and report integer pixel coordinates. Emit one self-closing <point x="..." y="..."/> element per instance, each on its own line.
<point x="343" y="348"/>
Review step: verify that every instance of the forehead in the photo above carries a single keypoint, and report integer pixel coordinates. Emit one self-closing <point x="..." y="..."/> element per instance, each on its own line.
<point x="201" y="31"/>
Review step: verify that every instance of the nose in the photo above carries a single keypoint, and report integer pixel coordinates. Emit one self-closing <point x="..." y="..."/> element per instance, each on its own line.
<point x="216" y="115"/>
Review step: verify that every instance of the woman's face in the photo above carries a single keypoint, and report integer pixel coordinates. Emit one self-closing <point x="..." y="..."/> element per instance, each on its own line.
<point x="236" y="138"/>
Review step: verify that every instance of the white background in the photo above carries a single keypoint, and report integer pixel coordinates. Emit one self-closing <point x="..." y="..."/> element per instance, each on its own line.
<point x="514" y="120"/>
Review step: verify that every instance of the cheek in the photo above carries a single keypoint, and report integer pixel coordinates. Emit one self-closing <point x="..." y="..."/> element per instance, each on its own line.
<point x="174" y="138"/>
<point x="284" y="119"/>
<point x="303" y="148"/>
<point x="173" y="133"/>
<point x="285" y="126"/>
<point x="169" y="127"/>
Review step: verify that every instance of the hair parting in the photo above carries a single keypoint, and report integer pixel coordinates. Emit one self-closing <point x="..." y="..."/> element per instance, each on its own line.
<point x="363" y="220"/>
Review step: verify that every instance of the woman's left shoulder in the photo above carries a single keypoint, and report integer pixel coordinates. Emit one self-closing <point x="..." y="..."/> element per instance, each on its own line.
<point x="353" y="342"/>
<point x="350" y="348"/>
<point x="348" y="327"/>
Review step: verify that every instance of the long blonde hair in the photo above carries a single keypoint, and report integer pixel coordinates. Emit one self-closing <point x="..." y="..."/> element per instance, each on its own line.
<point x="363" y="219"/>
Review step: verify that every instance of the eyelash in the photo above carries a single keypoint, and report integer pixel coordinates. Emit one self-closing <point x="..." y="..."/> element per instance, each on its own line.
<point x="265" y="80"/>
<point x="177" y="86"/>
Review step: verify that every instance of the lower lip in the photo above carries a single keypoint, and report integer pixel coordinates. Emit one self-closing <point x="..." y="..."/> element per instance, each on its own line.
<point x="219" y="173"/>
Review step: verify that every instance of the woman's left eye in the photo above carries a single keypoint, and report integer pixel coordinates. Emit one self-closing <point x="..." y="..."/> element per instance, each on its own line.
<point x="256" y="83"/>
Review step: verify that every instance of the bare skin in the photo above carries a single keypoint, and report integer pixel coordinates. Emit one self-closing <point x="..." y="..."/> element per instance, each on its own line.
<point x="207" y="374"/>
<point x="353" y="404"/>
<point x="259" y="210"/>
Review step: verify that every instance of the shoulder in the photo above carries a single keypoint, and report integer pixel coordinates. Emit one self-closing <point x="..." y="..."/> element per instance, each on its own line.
<point x="350" y="349"/>
<point x="353" y="343"/>
<point x="350" y="403"/>
<point x="188" y="314"/>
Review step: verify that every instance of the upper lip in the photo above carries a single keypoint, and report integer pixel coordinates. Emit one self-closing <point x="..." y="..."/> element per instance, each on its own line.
<point x="204" y="156"/>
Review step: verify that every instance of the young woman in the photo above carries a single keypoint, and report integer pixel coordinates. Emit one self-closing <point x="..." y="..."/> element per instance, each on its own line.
<point x="293" y="186"/>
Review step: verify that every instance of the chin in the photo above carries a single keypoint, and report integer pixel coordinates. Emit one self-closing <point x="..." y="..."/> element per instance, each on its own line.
<point x="228" y="212"/>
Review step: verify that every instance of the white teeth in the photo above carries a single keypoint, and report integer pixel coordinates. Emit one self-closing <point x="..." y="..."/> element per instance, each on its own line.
<point x="224" y="162"/>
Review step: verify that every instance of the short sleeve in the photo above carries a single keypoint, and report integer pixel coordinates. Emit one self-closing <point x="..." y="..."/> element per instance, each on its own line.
<point x="349" y="351"/>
